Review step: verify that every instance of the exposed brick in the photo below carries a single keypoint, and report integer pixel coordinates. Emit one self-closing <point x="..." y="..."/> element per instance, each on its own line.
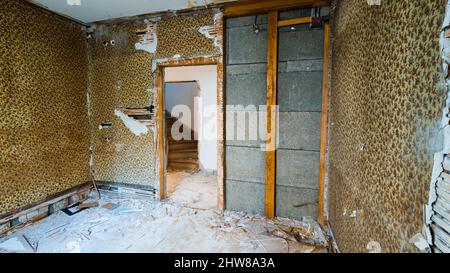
<point x="4" y="227"/>
<point x="32" y="214"/>
<point x="42" y="213"/>
<point x="74" y="199"/>
<point x="43" y="210"/>
<point x="14" y="222"/>
<point x="84" y="194"/>
<point x="22" y="219"/>
<point x="58" y="206"/>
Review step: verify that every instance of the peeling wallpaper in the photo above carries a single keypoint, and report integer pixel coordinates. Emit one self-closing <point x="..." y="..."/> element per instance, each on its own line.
<point x="182" y="36"/>
<point x="56" y="90"/>
<point x="44" y="130"/>
<point x="385" y="109"/>
<point x="121" y="76"/>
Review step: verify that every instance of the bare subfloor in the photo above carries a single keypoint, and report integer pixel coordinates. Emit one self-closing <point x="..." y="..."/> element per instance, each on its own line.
<point x="126" y="223"/>
<point x="194" y="190"/>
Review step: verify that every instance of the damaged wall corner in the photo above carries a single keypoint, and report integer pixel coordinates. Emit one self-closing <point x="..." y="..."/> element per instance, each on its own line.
<point x="148" y="39"/>
<point x="435" y="221"/>
<point x="139" y="46"/>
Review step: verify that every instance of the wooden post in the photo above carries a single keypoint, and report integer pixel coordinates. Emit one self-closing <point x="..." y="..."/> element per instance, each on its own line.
<point x="160" y="115"/>
<point x="272" y="61"/>
<point x="323" y="126"/>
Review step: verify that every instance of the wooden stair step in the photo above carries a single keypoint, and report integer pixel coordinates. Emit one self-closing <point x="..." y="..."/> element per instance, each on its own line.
<point x="194" y="150"/>
<point x="186" y="161"/>
<point x="176" y="156"/>
<point x="173" y="141"/>
<point x="183" y="166"/>
<point x="186" y="141"/>
<point x="178" y="167"/>
<point x="182" y="146"/>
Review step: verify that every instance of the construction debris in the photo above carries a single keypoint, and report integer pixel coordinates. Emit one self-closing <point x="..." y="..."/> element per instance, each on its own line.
<point x="34" y="246"/>
<point x="87" y="205"/>
<point x="190" y="227"/>
<point x="110" y="206"/>
<point x="137" y="222"/>
<point x="16" y="244"/>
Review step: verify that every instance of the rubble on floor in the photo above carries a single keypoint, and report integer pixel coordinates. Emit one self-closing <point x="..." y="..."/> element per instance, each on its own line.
<point x="137" y="225"/>
<point x="194" y="190"/>
<point x="128" y="223"/>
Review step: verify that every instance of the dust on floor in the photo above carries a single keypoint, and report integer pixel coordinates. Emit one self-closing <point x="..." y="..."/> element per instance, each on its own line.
<point x="193" y="190"/>
<point x="129" y="223"/>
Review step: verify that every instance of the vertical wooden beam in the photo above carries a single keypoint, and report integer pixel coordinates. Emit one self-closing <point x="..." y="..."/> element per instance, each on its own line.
<point x="323" y="126"/>
<point x="220" y="138"/>
<point x="272" y="61"/>
<point x="220" y="24"/>
<point x="160" y="131"/>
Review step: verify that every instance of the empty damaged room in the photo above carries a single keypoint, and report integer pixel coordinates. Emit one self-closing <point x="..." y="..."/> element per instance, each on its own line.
<point x="225" y="126"/>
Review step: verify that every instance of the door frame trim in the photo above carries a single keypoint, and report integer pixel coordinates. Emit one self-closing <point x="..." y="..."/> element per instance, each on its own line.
<point x="218" y="61"/>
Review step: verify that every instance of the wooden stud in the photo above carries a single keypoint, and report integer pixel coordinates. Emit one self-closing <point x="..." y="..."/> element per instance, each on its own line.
<point x="160" y="115"/>
<point x="221" y="116"/>
<point x="220" y="137"/>
<point x="252" y="7"/>
<point x="323" y="126"/>
<point x="272" y="61"/>
<point x="295" y="21"/>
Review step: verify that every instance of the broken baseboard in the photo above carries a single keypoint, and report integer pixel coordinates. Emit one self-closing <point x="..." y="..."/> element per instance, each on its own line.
<point x="331" y="239"/>
<point x="12" y="221"/>
<point x="133" y="189"/>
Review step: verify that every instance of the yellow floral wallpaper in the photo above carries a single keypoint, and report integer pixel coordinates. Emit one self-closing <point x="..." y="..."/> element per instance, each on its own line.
<point x="121" y="76"/>
<point x="385" y="109"/>
<point x="57" y="88"/>
<point x="44" y="130"/>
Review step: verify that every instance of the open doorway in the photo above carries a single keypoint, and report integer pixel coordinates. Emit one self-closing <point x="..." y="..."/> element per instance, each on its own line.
<point x="190" y="137"/>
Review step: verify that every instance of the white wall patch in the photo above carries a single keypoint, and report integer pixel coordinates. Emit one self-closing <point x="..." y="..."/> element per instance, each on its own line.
<point x="148" y="41"/>
<point x="213" y="32"/>
<point x="88" y="104"/>
<point x="133" y="125"/>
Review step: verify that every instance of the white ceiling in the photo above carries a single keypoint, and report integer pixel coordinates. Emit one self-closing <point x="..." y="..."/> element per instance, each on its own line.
<point x="89" y="11"/>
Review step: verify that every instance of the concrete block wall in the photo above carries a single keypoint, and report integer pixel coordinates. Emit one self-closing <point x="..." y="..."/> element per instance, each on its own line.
<point x="300" y="64"/>
<point x="246" y="66"/>
<point x="300" y="102"/>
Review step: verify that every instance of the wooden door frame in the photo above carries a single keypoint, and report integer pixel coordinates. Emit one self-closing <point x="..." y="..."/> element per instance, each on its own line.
<point x="253" y="7"/>
<point x="323" y="125"/>
<point x="218" y="61"/>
